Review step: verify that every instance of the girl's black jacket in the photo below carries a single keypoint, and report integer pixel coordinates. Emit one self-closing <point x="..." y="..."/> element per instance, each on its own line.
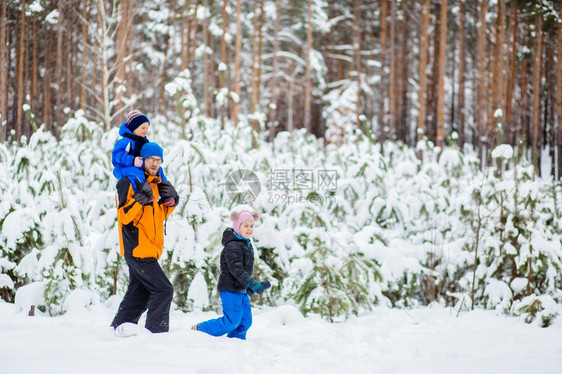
<point x="237" y="262"/>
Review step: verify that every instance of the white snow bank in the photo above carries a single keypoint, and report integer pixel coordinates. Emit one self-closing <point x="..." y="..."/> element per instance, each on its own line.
<point x="429" y="340"/>
<point x="30" y="294"/>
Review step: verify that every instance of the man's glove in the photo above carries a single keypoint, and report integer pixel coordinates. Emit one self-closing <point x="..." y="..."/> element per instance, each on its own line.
<point x="258" y="287"/>
<point x="168" y="194"/>
<point x="144" y="193"/>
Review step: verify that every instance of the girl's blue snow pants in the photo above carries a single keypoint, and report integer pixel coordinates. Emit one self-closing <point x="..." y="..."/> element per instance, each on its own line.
<point x="236" y="319"/>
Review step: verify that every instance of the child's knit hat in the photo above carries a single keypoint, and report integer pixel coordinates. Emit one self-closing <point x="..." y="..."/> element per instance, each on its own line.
<point x="243" y="216"/>
<point x="135" y="118"/>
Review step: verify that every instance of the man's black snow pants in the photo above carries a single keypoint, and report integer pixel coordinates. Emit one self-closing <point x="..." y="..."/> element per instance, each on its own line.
<point x="149" y="288"/>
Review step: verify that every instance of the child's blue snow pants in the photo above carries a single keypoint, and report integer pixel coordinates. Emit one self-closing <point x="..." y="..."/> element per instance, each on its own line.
<point x="134" y="173"/>
<point x="236" y="319"/>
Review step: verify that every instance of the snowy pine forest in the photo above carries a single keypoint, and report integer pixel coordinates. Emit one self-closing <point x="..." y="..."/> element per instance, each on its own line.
<point x="394" y="231"/>
<point x="401" y="154"/>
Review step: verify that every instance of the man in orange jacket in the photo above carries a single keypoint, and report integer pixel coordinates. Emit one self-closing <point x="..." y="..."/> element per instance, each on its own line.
<point x="141" y="217"/>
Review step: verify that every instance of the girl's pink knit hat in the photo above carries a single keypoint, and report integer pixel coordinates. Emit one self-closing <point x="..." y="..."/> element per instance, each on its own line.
<point x="242" y="216"/>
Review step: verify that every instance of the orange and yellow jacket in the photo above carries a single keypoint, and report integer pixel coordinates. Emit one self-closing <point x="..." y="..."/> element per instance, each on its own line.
<point x="141" y="228"/>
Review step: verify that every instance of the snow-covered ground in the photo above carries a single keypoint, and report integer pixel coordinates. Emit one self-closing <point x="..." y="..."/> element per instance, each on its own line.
<point x="428" y="340"/>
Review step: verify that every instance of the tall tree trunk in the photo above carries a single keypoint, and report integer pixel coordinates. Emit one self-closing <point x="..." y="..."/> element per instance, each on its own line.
<point x="370" y="38"/>
<point x="223" y="40"/>
<point x="357" y="51"/>
<point x="194" y="31"/>
<point x="260" y="49"/>
<point x="273" y="97"/>
<point x="130" y="74"/>
<point x="255" y="78"/>
<point x="224" y="63"/>
<point x="462" y="69"/>
<point x="291" y="99"/>
<point x="549" y="74"/>
<point x="238" y="47"/>
<point x="256" y="60"/>
<point x="104" y="113"/>
<point x="381" y="116"/>
<point x="559" y="94"/>
<point x="70" y="61"/>
<point x="206" y="58"/>
<point x="26" y="128"/>
<point x="537" y="61"/>
<point x="498" y="101"/>
<point x="33" y="90"/>
<point x="163" y="73"/>
<point x="83" y="75"/>
<point x="331" y="62"/>
<point x="308" y="82"/>
<point x="19" y="73"/>
<point x="59" y="97"/>
<point x="441" y="76"/>
<point x="393" y="91"/>
<point x="122" y="28"/>
<point x="340" y="62"/>
<point x="523" y="128"/>
<point x="424" y="43"/>
<point x="404" y="106"/>
<point x="212" y="77"/>
<point x="47" y="78"/>
<point x="91" y="100"/>
<point x="433" y="86"/>
<point x="513" y="31"/>
<point x="185" y="52"/>
<point x="182" y="26"/>
<point x="3" y="74"/>
<point x="453" y="74"/>
<point x="186" y="38"/>
<point x="482" y="97"/>
<point x="11" y="59"/>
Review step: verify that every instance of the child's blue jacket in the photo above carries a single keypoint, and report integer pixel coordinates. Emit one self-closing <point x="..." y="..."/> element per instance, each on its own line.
<point x="124" y="153"/>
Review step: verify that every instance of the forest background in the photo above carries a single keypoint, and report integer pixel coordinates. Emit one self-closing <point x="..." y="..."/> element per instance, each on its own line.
<point x="441" y="118"/>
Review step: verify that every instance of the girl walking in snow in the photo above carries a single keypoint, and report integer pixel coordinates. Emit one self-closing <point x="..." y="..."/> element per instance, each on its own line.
<point x="236" y="283"/>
